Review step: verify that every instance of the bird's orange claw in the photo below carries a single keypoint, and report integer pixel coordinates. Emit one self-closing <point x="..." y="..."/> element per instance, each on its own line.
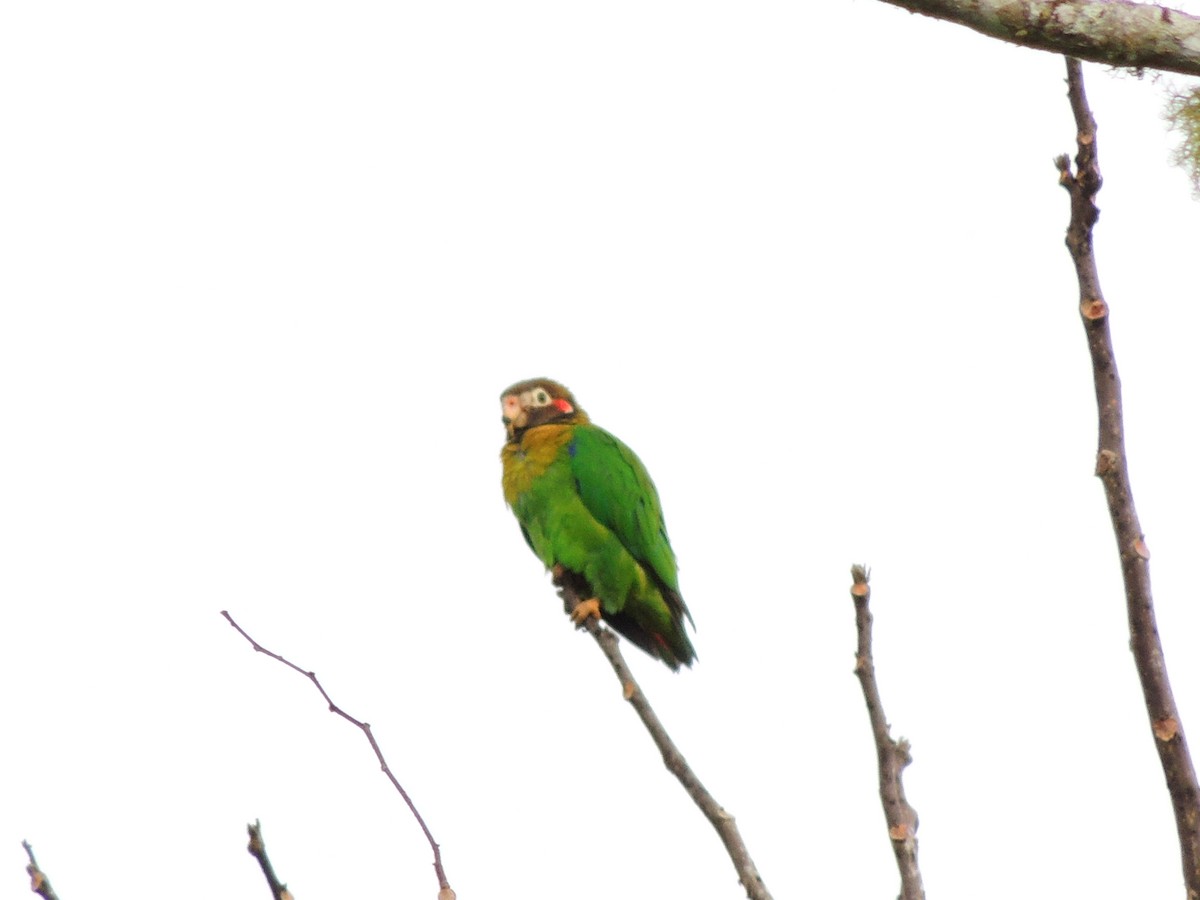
<point x="587" y="609"/>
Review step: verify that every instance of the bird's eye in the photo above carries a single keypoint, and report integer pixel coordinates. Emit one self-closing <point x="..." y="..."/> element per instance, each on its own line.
<point x="540" y="397"/>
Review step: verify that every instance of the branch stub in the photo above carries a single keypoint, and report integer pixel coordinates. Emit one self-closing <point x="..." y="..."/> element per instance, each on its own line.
<point x="1166" y="729"/>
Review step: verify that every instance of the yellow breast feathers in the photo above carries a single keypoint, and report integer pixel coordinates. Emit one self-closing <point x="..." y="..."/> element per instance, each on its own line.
<point x="525" y="461"/>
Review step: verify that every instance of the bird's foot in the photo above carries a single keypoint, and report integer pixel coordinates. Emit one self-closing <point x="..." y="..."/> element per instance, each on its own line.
<point x="587" y="609"/>
<point x="556" y="573"/>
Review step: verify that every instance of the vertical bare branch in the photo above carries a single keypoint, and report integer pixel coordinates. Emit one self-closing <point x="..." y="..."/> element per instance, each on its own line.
<point x="445" y="892"/>
<point x="38" y="882"/>
<point x="258" y="850"/>
<point x="1113" y="472"/>
<point x="673" y="759"/>
<point x="893" y="755"/>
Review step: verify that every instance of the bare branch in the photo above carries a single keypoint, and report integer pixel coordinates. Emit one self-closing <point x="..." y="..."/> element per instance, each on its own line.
<point x="259" y="851"/>
<point x="893" y="755"/>
<point x="38" y="882"/>
<point x="673" y="759"/>
<point x="1165" y="723"/>
<point x="1113" y="32"/>
<point x="445" y="892"/>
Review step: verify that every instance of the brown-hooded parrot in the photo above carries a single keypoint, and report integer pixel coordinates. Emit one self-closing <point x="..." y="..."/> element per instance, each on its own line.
<point x="590" y="512"/>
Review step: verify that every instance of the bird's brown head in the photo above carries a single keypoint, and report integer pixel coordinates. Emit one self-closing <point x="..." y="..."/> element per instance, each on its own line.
<point x="538" y="401"/>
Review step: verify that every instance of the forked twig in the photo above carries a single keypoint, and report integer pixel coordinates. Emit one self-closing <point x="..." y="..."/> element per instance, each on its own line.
<point x="445" y="891"/>
<point x="721" y="820"/>
<point x="1165" y="723"/>
<point x="893" y="755"/>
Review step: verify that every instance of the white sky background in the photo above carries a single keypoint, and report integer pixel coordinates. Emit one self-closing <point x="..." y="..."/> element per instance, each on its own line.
<point x="267" y="268"/>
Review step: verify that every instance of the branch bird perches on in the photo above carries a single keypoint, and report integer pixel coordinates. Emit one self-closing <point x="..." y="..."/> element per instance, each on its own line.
<point x="673" y="759"/>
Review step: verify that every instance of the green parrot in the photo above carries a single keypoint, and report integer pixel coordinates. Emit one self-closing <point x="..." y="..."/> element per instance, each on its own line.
<point x="590" y="512"/>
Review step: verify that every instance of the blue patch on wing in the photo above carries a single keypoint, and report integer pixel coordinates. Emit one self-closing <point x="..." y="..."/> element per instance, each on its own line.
<point x="571" y="449"/>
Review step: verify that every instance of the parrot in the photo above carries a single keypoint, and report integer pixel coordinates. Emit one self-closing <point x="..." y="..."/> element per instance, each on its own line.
<point x="589" y="511"/>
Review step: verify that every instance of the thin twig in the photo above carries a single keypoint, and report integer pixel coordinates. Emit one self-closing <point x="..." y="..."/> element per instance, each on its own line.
<point x="1111" y="467"/>
<point x="893" y="755"/>
<point x="38" y="882"/>
<point x="721" y="820"/>
<point x="445" y="892"/>
<point x="258" y="850"/>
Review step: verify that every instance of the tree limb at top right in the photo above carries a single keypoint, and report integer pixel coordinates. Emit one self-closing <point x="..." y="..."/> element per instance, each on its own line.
<point x="1113" y="32"/>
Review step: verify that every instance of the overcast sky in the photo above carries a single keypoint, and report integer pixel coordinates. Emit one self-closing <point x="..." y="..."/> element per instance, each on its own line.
<point x="267" y="267"/>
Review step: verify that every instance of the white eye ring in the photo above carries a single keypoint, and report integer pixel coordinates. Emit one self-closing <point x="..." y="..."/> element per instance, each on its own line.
<point x="541" y="398"/>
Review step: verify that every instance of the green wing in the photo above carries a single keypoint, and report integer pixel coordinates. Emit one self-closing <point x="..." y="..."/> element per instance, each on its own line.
<point x="617" y="490"/>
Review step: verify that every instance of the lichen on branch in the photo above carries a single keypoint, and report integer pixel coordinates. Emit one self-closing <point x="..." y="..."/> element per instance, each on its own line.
<point x="1183" y="115"/>
<point x="1113" y="32"/>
